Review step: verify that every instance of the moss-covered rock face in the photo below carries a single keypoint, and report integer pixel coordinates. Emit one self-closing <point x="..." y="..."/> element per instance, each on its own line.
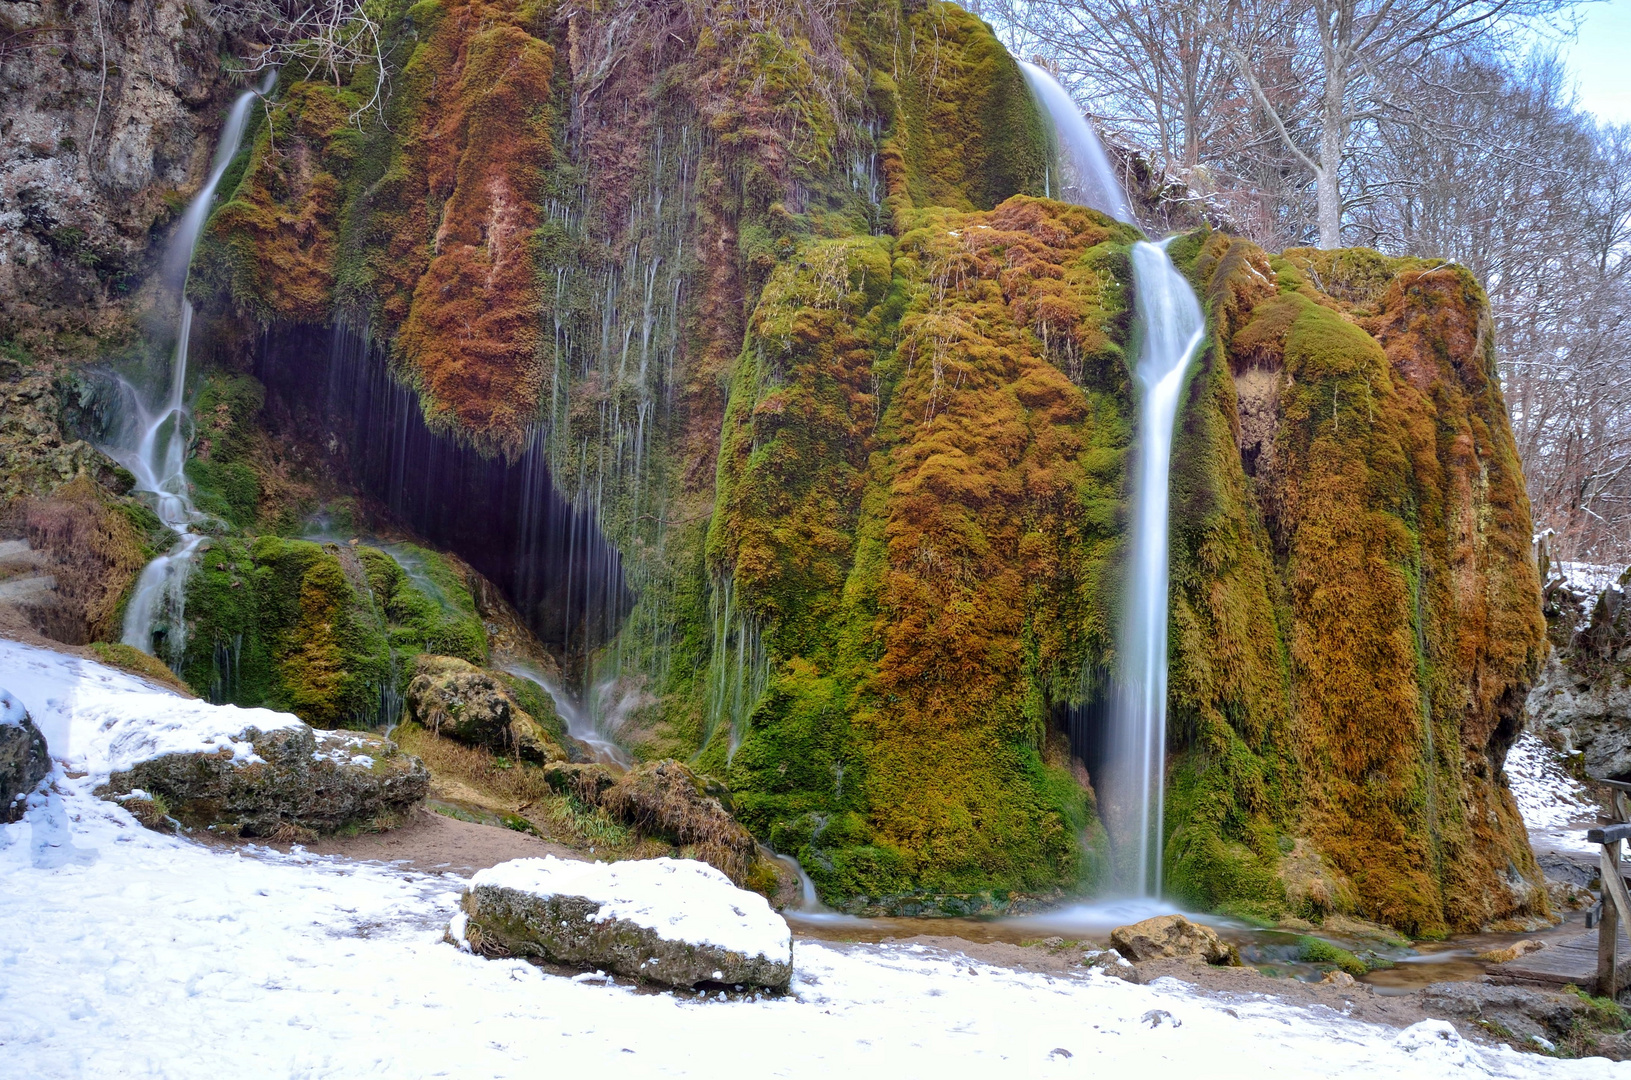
<point x="775" y="298"/>
<point x="1385" y="483"/>
<point x="325" y="631"/>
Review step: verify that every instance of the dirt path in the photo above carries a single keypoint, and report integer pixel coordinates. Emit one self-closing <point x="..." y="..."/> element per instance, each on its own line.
<point x="430" y="841"/>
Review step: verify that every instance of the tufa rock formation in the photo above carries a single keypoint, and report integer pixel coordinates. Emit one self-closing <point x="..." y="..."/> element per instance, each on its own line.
<point x="769" y="318"/>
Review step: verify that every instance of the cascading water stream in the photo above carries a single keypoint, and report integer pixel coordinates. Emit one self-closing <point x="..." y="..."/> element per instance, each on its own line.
<point x="1082" y="173"/>
<point x="1132" y="779"/>
<point x="1133" y="783"/>
<point x="155" y="446"/>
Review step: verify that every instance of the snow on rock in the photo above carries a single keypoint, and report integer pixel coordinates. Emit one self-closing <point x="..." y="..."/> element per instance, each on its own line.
<point x="249" y="772"/>
<point x="100" y="720"/>
<point x="12" y="713"/>
<point x="673" y="921"/>
<point x="1555" y="806"/>
<point x="24" y="758"/>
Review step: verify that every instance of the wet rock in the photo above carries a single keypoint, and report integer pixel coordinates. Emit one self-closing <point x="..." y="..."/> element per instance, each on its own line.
<point x="1519" y="1010"/>
<point x="455" y="698"/>
<point x="1110" y="962"/>
<point x="1169" y="937"/>
<point x="297" y="781"/>
<point x="669" y="921"/>
<point x="1339" y="978"/>
<point x="1512" y="952"/>
<point x="24" y="760"/>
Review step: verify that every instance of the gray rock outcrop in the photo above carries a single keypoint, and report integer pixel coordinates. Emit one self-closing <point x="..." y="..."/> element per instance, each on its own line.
<point x="94" y="148"/>
<point x="1582" y="699"/>
<point x="1529" y="1015"/>
<point x="24" y="759"/>
<point x="301" y="780"/>
<point x="1586" y="712"/>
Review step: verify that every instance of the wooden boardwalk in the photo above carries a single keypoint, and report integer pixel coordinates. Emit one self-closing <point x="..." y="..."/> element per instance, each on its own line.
<point x="1565" y="961"/>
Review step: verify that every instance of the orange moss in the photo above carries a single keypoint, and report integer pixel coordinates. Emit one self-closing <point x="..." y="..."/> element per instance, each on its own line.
<point x="1396" y="512"/>
<point x="470" y="336"/>
<point x="990" y="541"/>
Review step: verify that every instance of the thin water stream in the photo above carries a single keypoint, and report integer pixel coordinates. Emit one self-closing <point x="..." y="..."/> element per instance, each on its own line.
<point x="154" y="441"/>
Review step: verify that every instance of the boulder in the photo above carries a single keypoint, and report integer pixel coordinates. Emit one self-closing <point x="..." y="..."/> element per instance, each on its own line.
<point x="677" y="922"/>
<point x="1172" y="937"/>
<point x="289" y="780"/>
<point x="24" y="760"/>
<point x="455" y="698"/>
<point x="669" y="801"/>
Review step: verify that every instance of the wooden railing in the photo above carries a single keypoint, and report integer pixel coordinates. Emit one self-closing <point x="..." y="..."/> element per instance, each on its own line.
<point x="1615" y="906"/>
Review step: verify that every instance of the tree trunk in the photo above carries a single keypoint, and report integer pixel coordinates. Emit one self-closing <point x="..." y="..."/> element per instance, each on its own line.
<point x="1333" y="132"/>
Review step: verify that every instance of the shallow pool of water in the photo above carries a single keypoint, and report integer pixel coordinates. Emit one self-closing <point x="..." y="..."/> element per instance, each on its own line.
<point x="1273" y="952"/>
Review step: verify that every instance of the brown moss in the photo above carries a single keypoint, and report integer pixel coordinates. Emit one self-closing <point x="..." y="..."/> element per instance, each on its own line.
<point x="471" y="333"/>
<point x="92" y="550"/>
<point x="278" y="231"/>
<point x="1395" y="510"/>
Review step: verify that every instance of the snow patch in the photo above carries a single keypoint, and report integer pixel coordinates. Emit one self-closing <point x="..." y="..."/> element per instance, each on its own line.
<point x="681" y="899"/>
<point x="99" y="720"/>
<point x="1553" y="803"/>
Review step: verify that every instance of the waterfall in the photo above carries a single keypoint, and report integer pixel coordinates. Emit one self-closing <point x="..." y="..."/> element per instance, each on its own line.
<point x="579" y="724"/>
<point x="154" y="446"/>
<point x="1132" y="777"/>
<point x="1081" y="172"/>
<point x="1132" y="783"/>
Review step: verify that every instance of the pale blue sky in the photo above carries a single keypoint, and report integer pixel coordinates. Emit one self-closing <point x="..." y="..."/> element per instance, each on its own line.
<point x="1601" y="60"/>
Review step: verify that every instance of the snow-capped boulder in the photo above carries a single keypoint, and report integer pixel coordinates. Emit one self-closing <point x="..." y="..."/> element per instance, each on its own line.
<point x="672" y="921"/>
<point x="290" y="779"/>
<point x="24" y="761"/>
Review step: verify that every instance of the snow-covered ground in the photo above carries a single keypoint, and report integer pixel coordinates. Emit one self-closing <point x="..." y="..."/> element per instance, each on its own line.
<point x="126" y="953"/>
<point x="1589" y="578"/>
<point x="1554" y="805"/>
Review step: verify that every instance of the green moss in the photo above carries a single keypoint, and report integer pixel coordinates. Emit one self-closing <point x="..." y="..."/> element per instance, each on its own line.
<point x="324" y="631"/>
<point x="1312" y="950"/>
<point x="426" y="605"/>
<point x="966" y="132"/>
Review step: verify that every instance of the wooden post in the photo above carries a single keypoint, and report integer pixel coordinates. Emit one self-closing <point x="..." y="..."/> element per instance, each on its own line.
<point x="1616" y="910"/>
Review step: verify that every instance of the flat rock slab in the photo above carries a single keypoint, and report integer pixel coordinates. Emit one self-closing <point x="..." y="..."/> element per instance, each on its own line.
<point x="677" y="922"/>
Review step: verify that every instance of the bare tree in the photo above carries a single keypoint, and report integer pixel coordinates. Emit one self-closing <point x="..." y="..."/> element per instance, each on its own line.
<point x="1361" y="54"/>
<point x="317" y="39"/>
<point x="1509" y="179"/>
